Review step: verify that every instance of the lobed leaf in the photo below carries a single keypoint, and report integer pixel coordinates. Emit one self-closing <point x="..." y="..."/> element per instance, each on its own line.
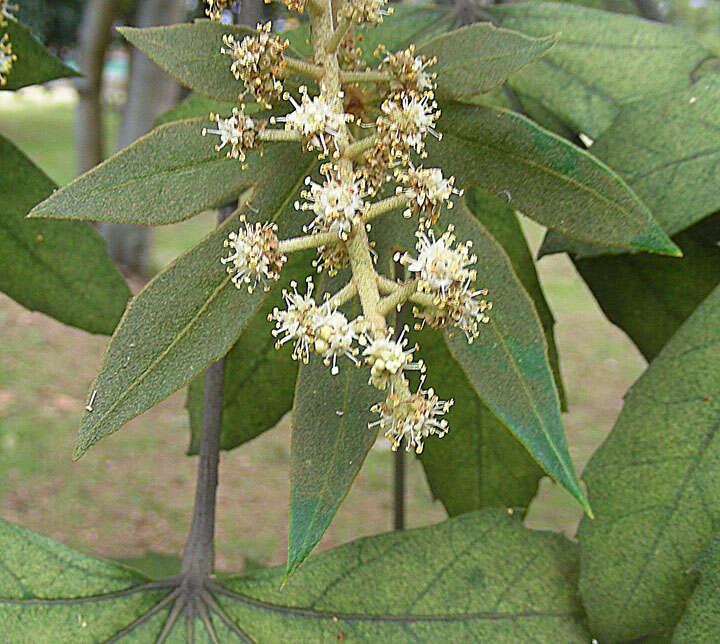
<point x="479" y="463"/>
<point x="189" y="315"/>
<point x="259" y="380"/>
<point x="700" y="622"/>
<point x="654" y="486"/>
<point x="601" y="60"/>
<point x="508" y="364"/>
<point x="497" y="52"/>
<point x="548" y="178"/>
<point x="499" y="582"/>
<point x="56" y="267"/>
<point x="330" y="441"/>
<point x="667" y="147"/>
<point x="167" y="176"/>
<point x="34" y="63"/>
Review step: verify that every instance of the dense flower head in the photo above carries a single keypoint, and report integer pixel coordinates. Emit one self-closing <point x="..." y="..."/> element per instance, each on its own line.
<point x="7" y="58"/>
<point x="238" y="131"/>
<point x="427" y="189"/>
<point x="334" y="336"/>
<point x="412" y="418"/>
<point x="337" y="203"/>
<point x="215" y="8"/>
<point x="405" y="121"/>
<point x="410" y="71"/>
<point x="389" y="358"/>
<point x="297" y="321"/>
<point x="254" y="255"/>
<point x="259" y="62"/>
<point x="315" y="118"/>
<point x="366" y="12"/>
<point x="6" y="12"/>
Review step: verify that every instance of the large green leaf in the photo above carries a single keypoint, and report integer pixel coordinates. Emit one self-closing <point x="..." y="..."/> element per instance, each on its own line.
<point x="34" y="63"/>
<point x="700" y="623"/>
<point x="546" y="177"/>
<point x="499" y="582"/>
<point x="502" y="224"/>
<point x="481" y="577"/>
<point x="667" y="148"/>
<point x="259" y="380"/>
<point x="478" y="58"/>
<point x="407" y="25"/>
<point x="197" y="106"/>
<point x="168" y="175"/>
<point x="655" y="488"/>
<point x="601" y="60"/>
<point x="479" y="463"/>
<point x="57" y="267"/>
<point x="329" y="443"/>
<point x="649" y="296"/>
<point x="508" y="363"/>
<point x="185" y="318"/>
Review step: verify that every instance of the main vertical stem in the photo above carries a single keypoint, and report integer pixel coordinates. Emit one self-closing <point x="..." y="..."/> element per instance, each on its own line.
<point x="399" y="456"/>
<point x="199" y="556"/>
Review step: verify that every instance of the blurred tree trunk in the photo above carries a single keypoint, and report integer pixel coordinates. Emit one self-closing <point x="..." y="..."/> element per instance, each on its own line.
<point x="650" y="9"/>
<point x="150" y="92"/>
<point x="93" y="40"/>
<point x="251" y="12"/>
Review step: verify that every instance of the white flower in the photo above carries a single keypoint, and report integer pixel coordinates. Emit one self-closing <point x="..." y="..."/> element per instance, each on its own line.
<point x="427" y="190"/>
<point x="405" y="122"/>
<point x="297" y="322"/>
<point x="388" y="358"/>
<point x="315" y="118"/>
<point x="413" y="419"/>
<point x="238" y="131"/>
<point x="7" y="58"/>
<point x="409" y="71"/>
<point x="215" y="8"/>
<point x="337" y="203"/>
<point x="254" y="256"/>
<point x="439" y="266"/>
<point x="259" y="62"/>
<point x="334" y="336"/>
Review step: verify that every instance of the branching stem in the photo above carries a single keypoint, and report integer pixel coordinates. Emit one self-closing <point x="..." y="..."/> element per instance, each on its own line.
<point x="398" y="297"/>
<point x="278" y="134"/>
<point x="304" y="67"/>
<point x="347" y="77"/>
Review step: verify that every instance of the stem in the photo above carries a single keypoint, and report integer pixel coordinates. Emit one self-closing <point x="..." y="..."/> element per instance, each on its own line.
<point x="295" y="244"/>
<point x="338" y="35"/>
<point x="397" y="298"/>
<point x="279" y="135"/>
<point x="365" y="77"/>
<point x="199" y="555"/>
<point x="304" y="67"/>
<point x="354" y="150"/>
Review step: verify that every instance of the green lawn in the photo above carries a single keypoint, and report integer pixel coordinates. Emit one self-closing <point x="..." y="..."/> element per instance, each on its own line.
<point x="133" y="492"/>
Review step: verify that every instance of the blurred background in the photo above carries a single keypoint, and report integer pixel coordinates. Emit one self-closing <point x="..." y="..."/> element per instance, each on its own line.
<point x="130" y="498"/>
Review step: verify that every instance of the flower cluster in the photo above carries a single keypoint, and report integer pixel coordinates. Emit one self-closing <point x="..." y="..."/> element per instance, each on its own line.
<point x="254" y="257"/>
<point x="238" y="131"/>
<point x="258" y="61"/>
<point x="7" y="58"/>
<point x="341" y="204"/>
<point x="444" y="273"/>
<point x="215" y="8"/>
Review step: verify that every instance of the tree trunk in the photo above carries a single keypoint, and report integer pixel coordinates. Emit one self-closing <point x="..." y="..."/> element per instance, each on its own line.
<point x="93" y="40"/>
<point x="251" y="12"/>
<point x="150" y="92"/>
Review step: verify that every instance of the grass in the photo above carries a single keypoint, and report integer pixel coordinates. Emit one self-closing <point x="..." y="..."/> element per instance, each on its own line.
<point x="133" y="492"/>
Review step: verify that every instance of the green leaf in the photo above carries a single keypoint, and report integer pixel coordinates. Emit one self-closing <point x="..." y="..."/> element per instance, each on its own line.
<point x="57" y="267"/>
<point x="649" y="296"/>
<point x="481" y="577"/>
<point x="508" y="363"/>
<point x="407" y="25"/>
<point x="168" y="175"/>
<point x="329" y="443"/>
<point x="700" y="623"/>
<point x="197" y="106"/>
<point x="190" y="53"/>
<point x="601" y="60"/>
<point x="499" y="582"/>
<point x="259" y="380"/>
<point x="502" y="224"/>
<point x="547" y="178"/>
<point x="674" y="171"/>
<point x="479" y="463"/>
<point x="654" y="487"/>
<point x="478" y="58"/>
<point x="189" y="315"/>
<point x="34" y="63"/>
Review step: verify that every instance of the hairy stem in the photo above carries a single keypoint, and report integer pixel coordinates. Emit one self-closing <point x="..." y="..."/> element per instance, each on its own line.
<point x="199" y="555"/>
<point x="365" y="77"/>
<point x="304" y="67"/>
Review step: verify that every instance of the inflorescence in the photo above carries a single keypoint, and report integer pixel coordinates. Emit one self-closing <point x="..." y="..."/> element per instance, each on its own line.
<point x="7" y="58"/>
<point x="343" y="200"/>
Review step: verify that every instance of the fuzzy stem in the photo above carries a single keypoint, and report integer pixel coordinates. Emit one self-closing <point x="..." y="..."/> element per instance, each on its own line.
<point x="279" y="135"/>
<point x="354" y="150"/>
<point x="347" y="77"/>
<point x="345" y="294"/>
<point x="384" y="206"/>
<point x="398" y="297"/>
<point x="295" y="244"/>
<point x="304" y="67"/>
<point x="338" y="35"/>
